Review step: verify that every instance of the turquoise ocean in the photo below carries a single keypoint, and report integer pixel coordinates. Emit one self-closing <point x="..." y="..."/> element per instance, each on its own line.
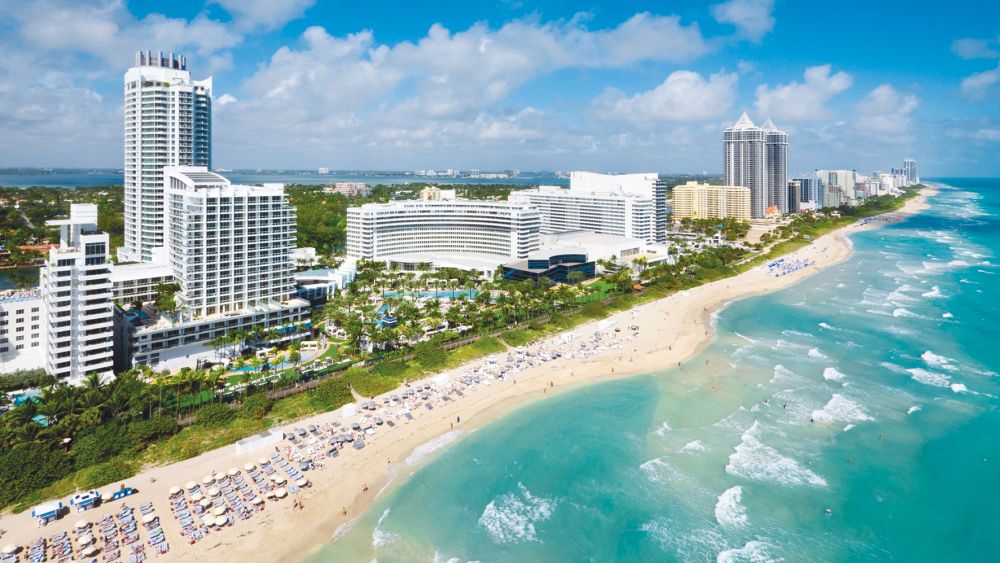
<point x="851" y="417"/>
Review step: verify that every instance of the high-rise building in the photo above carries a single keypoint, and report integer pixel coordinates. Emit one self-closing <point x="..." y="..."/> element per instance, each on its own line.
<point x="776" y="160"/>
<point x="745" y="163"/>
<point x="811" y="191"/>
<point x="843" y="182"/>
<point x="910" y="171"/>
<point x="76" y="299"/>
<point x="168" y="122"/>
<point x="794" y="196"/>
<point x="702" y="201"/>
<point x="229" y="249"/>
<point x="605" y="212"/>
<point x="230" y="245"/>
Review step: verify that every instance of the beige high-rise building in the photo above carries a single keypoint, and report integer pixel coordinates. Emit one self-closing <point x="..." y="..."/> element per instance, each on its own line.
<point x="703" y="201"/>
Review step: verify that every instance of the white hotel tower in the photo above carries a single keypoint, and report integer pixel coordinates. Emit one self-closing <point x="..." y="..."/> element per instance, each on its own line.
<point x="168" y="122"/>
<point x="76" y="299"/>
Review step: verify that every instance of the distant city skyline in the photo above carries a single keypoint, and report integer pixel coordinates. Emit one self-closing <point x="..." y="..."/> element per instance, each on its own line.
<point x="301" y="84"/>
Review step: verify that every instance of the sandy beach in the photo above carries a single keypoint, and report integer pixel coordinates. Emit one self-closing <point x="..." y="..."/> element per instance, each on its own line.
<point x="670" y="331"/>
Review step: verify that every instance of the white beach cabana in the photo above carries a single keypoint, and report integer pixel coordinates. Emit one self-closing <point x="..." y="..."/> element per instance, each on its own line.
<point x="81" y="524"/>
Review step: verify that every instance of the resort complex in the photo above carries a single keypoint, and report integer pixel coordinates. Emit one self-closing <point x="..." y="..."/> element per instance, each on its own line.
<point x="208" y="326"/>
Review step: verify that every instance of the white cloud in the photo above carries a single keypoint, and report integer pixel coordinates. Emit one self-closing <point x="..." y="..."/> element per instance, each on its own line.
<point x="885" y="112"/>
<point x="981" y="84"/>
<point x="444" y="88"/>
<point x="270" y="14"/>
<point x="107" y="30"/>
<point x="752" y="18"/>
<point x="683" y="96"/>
<point x="802" y="101"/>
<point x="225" y="99"/>
<point x="969" y="48"/>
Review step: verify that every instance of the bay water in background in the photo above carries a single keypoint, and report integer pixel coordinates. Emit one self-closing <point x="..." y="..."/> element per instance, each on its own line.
<point x="850" y="417"/>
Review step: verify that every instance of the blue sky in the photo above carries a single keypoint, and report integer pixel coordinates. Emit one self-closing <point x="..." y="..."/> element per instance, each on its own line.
<point x="618" y="86"/>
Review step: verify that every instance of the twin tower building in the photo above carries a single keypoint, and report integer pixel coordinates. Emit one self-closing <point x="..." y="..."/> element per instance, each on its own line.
<point x="757" y="158"/>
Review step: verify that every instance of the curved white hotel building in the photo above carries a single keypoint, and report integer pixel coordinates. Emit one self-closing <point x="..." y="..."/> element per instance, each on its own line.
<point x="469" y="234"/>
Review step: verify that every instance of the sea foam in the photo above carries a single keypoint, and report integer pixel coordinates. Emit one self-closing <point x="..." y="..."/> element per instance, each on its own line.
<point x="512" y="517"/>
<point x="381" y="537"/>
<point x="832" y="374"/>
<point x="693" y="446"/>
<point x="840" y="408"/>
<point x="753" y="551"/>
<point x="933" y="293"/>
<point x="756" y="461"/>
<point x="431" y="446"/>
<point x="936" y="361"/>
<point x="816" y="354"/>
<point x="929" y="377"/>
<point x="729" y="510"/>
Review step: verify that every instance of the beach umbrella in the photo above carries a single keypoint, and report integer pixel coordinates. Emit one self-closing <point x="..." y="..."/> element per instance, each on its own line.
<point x="249" y="467"/>
<point x="148" y="518"/>
<point x="258" y="500"/>
<point x="174" y="490"/>
<point x="85" y="539"/>
<point x="196" y="497"/>
<point x="9" y="549"/>
<point x="219" y="476"/>
<point x="205" y="503"/>
<point x="233" y="472"/>
<point x="82" y="524"/>
<point x="264" y="461"/>
<point x="208" y="480"/>
<point x="302" y="482"/>
<point x="90" y="551"/>
<point x="279" y="479"/>
<point x="190" y="485"/>
<point x="281" y="493"/>
<point x="221" y="520"/>
<point x="270" y="494"/>
<point x="213" y="492"/>
<point x="219" y="510"/>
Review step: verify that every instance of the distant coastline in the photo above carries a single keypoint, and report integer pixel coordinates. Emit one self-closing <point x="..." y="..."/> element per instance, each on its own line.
<point x="82" y="178"/>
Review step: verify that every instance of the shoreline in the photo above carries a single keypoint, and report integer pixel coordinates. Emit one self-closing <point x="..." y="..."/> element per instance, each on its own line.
<point x="672" y="330"/>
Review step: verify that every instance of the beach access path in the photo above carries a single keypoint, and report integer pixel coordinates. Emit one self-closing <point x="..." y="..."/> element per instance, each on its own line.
<point x="671" y="331"/>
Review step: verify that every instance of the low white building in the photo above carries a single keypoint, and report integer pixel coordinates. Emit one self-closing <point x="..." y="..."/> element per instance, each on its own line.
<point x="305" y="256"/>
<point x="317" y="285"/>
<point x="597" y="246"/>
<point x="21" y="330"/>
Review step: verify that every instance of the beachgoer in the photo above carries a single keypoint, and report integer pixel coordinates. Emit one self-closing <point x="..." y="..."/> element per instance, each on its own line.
<point x="343" y="510"/>
<point x="364" y="488"/>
